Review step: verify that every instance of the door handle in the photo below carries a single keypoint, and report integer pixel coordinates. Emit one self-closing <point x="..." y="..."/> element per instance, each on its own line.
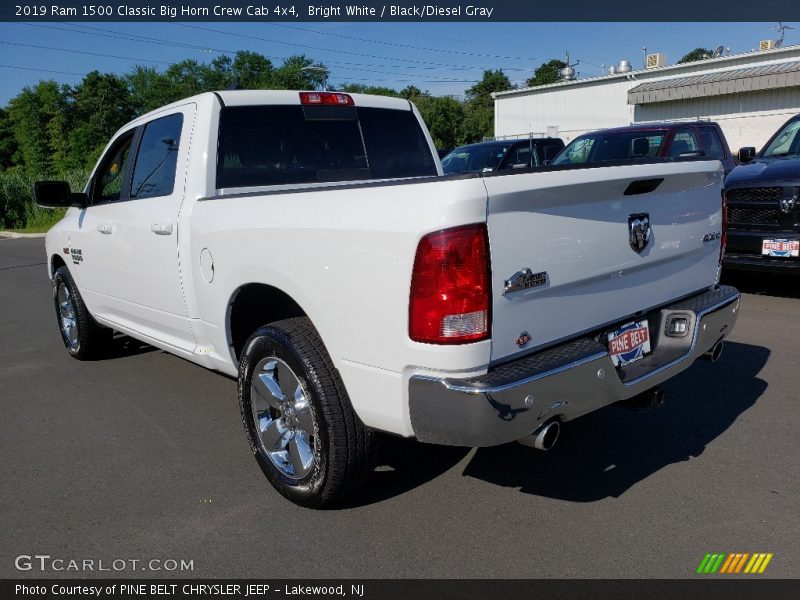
<point x="161" y="228"/>
<point x="105" y="229"/>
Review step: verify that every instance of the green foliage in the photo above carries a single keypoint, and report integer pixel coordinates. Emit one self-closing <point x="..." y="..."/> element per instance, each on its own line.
<point x="479" y="109"/>
<point x="549" y="72"/>
<point x="52" y="131"/>
<point x="360" y="88"/>
<point x="9" y="151"/>
<point x="17" y="209"/>
<point x="443" y="116"/>
<point x="696" y="54"/>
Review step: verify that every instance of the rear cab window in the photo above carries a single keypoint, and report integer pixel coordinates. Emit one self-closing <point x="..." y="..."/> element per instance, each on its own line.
<point x="611" y="147"/>
<point x="284" y="145"/>
<point x="684" y="142"/>
<point x="711" y="144"/>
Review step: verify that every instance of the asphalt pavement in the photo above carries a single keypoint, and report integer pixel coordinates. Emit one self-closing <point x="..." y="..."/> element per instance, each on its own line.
<point x="141" y="456"/>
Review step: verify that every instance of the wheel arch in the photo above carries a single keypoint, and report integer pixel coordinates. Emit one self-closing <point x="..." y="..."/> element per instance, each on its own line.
<point x="56" y="262"/>
<point x="253" y="305"/>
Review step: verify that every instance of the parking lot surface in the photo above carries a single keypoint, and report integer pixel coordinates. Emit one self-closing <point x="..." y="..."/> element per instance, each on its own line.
<point x="142" y="456"/>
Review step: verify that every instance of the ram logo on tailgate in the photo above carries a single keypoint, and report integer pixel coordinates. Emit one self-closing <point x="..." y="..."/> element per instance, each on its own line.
<point x="639" y="231"/>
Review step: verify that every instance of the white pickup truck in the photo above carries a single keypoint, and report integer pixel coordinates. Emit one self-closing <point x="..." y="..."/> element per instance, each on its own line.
<point x="309" y="244"/>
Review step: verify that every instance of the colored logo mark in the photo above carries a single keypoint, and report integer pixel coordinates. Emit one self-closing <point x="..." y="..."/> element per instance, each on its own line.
<point x="738" y="562"/>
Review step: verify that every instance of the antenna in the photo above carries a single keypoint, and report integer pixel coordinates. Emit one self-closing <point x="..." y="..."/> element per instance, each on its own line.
<point x="781" y="29"/>
<point x="718" y="51"/>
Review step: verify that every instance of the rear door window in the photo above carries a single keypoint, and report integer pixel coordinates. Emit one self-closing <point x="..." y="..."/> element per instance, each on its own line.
<point x="281" y="145"/>
<point x="157" y="158"/>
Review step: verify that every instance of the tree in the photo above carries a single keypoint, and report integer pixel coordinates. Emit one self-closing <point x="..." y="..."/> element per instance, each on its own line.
<point x="549" y="72"/>
<point x="292" y="76"/>
<point x="101" y="104"/>
<point x="252" y="71"/>
<point x="38" y="115"/>
<point x="9" y="152"/>
<point x="443" y="116"/>
<point x="360" y="88"/>
<point x="479" y="108"/>
<point x="696" y="54"/>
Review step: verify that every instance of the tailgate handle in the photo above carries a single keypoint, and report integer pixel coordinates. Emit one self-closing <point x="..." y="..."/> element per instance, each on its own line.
<point x="161" y="228"/>
<point x="643" y="186"/>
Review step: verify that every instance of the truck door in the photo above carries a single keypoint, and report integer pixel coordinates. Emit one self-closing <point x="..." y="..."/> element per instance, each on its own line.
<point x="140" y="234"/>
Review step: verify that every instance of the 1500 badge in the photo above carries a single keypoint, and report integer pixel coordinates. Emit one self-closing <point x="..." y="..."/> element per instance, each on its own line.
<point x="523" y="280"/>
<point x="76" y="254"/>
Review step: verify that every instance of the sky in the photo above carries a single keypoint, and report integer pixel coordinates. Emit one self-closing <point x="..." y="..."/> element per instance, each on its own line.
<point x="444" y="58"/>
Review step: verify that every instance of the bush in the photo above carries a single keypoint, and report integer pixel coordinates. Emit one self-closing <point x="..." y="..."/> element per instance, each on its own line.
<point x="17" y="208"/>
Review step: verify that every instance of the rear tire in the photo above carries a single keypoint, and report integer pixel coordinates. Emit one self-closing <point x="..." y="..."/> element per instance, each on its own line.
<point x="83" y="337"/>
<point x="297" y="416"/>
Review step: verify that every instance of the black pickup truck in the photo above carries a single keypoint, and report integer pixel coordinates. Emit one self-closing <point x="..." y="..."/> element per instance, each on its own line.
<point x="763" y="205"/>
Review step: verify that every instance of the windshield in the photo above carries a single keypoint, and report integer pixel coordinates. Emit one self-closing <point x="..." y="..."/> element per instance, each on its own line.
<point x="786" y="143"/>
<point x="473" y="158"/>
<point x="611" y="146"/>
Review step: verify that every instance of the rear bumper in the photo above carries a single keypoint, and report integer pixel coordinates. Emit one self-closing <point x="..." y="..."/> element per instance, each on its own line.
<point x="566" y="381"/>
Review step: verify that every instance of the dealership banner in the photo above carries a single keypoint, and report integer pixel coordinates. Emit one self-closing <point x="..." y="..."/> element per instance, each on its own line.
<point x="372" y="589"/>
<point x="399" y="10"/>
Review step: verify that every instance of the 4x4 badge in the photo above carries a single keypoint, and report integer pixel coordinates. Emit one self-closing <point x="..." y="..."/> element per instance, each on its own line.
<point x="639" y="231"/>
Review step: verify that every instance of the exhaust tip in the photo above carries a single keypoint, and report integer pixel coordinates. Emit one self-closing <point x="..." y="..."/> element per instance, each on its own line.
<point x="716" y="352"/>
<point x="546" y="436"/>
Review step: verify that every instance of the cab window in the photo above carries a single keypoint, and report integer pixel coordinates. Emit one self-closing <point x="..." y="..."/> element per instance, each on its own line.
<point x="111" y="174"/>
<point x="712" y="145"/>
<point x="157" y="158"/>
<point x="684" y="142"/>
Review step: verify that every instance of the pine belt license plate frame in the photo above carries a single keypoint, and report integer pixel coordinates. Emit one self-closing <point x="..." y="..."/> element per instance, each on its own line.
<point x="629" y="343"/>
<point x="780" y="248"/>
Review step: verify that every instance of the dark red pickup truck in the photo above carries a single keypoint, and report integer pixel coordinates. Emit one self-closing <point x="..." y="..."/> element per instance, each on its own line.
<point x="649" y="141"/>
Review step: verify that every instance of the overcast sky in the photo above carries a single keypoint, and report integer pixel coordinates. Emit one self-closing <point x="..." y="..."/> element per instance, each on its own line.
<point x="445" y="58"/>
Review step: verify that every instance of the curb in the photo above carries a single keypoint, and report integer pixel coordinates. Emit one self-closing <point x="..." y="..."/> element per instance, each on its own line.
<point x="14" y="235"/>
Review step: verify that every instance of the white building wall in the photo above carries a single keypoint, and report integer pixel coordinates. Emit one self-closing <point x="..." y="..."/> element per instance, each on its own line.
<point x="571" y="109"/>
<point x="747" y="119"/>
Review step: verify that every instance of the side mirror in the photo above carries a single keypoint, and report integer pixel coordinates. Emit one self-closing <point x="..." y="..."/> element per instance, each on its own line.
<point x="747" y="154"/>
<point x="56" y="194"/>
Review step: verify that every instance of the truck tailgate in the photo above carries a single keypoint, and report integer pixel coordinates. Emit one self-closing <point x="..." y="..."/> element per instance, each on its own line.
<point x="571" y="229"/>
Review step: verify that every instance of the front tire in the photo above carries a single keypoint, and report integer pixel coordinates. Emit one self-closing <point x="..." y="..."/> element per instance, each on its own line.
<point x="83" y="337"/>
<point x="297" y="416"/>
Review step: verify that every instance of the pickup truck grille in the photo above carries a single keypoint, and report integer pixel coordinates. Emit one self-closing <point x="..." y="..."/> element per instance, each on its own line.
<point x="770" y="194"/>
<point x="753" y="216"/>
<point x="754" y="206"/>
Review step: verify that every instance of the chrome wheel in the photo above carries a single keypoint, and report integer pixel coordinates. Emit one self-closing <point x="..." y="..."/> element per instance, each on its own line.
<point x="284" y="423"/>
<point x="66" y="314"/>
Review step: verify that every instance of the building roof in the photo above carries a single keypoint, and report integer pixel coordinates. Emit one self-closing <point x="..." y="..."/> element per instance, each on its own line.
<point x="754" y="58"/>
<point x="749" y="79"/>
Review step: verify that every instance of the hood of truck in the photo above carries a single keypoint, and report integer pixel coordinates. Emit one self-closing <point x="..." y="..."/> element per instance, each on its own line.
<point x="562" y="258"/>
<point x="766" y="172"/>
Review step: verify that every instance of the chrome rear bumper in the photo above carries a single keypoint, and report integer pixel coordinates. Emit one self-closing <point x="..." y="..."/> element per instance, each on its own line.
<point x="566" y="381"/>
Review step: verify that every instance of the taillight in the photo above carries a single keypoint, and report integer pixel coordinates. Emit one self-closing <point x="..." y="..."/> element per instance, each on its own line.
<point x="328" y="98"/>
<point x="724" y="241"/>
<point x="451" y="287"/>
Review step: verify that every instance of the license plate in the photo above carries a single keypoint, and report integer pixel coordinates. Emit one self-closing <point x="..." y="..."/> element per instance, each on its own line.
<point x="629" y="343"/>
<point x="780" y="248"/>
